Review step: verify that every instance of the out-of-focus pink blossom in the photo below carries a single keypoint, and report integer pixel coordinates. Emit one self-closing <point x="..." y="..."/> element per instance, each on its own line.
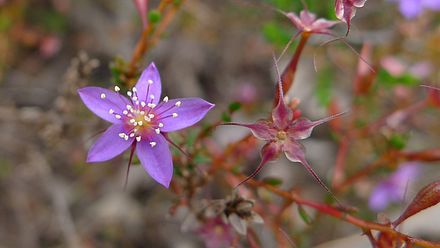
<point x="216" y="233"/>
<point x="411" y="9"/>
<point x="397" y="67"/>
<point x="142" y="8"/>
<point x="50" y="45"/>
<point x="246" y="93"/>
<point x="393" y="188"/>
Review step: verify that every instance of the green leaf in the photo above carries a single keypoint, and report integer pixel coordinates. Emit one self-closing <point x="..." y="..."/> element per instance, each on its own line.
<point x="398" y="141"/>
<point x="201" y="159"/>
<point x="324" y="87"/>
<point x="304" y="215"/>
<point x="234" y="107"/>
<point x="226" y="117"/>
<point x="276" y="34"/>
<point x="154" y="16"/>
<point x="389" y="81"/>
<point x="273" y="181"/>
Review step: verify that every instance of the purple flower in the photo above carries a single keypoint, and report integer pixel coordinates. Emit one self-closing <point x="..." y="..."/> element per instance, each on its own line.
<point x="307" y="22"/>
<point x="282" y="133"/>
<point x="393" y="188"/>
<point x="141" y="122"/>
<point x="411" y="9"/>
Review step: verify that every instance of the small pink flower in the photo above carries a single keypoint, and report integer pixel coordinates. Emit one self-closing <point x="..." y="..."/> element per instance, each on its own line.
<point x="282" y="132"/>
<point x="346" y="10"/>
<point x="141" y="122"/>
<point x="307" y="22"/>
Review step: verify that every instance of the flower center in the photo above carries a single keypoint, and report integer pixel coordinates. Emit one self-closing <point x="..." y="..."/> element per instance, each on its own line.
<point x="141" y="119"/>
<point x="282" y="135"/>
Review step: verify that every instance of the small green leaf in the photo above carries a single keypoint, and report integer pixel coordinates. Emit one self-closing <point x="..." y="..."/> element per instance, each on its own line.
<point x="154" y="16"/>
<point x="226" y="117"/>
<point x="234" y="107"/>
<point x="304" y="215"/>
<point x="323" y="88"/>
<point x="398" y="141"/>
<point x="389" y="81"/>
<point x="273" y="181"/>
<point x="201" y="159"/>
<point x="276" y="34"/>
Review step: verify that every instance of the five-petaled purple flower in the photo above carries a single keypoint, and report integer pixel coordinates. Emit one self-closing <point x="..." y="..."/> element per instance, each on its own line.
<point x="282" y="133"/>
<point x="141" y="122"/>
<point x="393" y="188"/>
<point x="413" y="8"/>
<point x="307" y="22"/>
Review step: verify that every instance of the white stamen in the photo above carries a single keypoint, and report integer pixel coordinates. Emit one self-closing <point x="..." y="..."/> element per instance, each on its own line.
<point x="134" y="89"/>
<point x="135" y="99"/>
<point x="111" y="111"/>
<point x="122" y="135"/>
<point x="131" y="135"/>
<point x="126" y="137"/>
<point x="135" y="124"/>
<point x="135" y="130"/>
<point x="142" y="112"/>
<point x="178" y="103"/>
<point x="140" y="123"/>
<point x="151" y="105"/>
<point x="143" y="104"/>
<point x="152" y="96"/>
<point x="157" y="130"/>
<point x="129" y="93"/>
<point x="147" y="119"/>
<point x="150" y="81"/>
<point x="103" y="96"/>
<point x="160" y="124"/>
<point x="132" y="120"/>
<point x="175" y="115"/>
<point x="117" y="89"/>
<point x="125" y="112"/>
<point x="138" y="138"/>
<point x="165" y="99"/>
<point x="117" y="116"/>
<point x="152" y="144"/>
<point x="151" y="116"/>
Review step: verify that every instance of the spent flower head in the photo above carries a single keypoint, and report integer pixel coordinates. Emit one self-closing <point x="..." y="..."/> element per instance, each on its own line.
<point x="141" y="122"/>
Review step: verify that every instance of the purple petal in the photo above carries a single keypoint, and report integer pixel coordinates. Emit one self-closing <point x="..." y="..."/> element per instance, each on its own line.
<point x="303" y="127"/>
<point x="100" y="101"/>
<point x="281" y="114"/>
<point x="295" y="20"/>
<point x="294" y="151"/>
<point x="156" y="159"/>
<point x="149" y="84"/>
<point x="189" y="112"/>
<point x="307" y="18"/>
<point x="380" y="198"/>
<point x="323" y="24"/>
<point x="262" y="129"/>
<point x="410" y="8"/>
<point x="431" y="4"/>
<point x="359" y="3"/>
<point x="109" y="145"/>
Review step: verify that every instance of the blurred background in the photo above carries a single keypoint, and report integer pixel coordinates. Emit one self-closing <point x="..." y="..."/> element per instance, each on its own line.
<point x="220" y="51"/>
